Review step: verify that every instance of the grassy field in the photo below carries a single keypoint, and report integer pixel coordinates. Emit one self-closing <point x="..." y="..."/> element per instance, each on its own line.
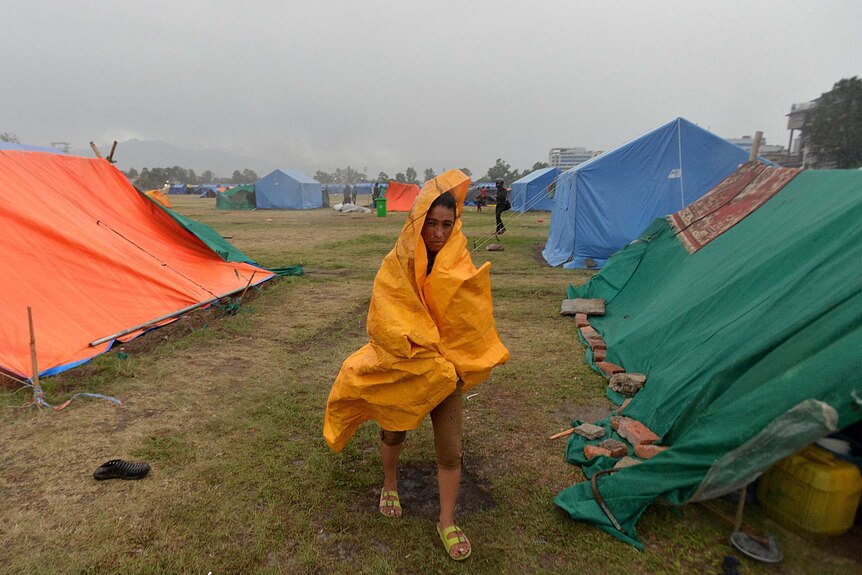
<point x="228" y="411"/>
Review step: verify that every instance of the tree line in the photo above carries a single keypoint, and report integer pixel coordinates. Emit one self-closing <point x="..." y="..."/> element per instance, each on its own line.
<point x="835" y="133"/>
<point x="348" y="175"/>
<point x="150" y="178"/>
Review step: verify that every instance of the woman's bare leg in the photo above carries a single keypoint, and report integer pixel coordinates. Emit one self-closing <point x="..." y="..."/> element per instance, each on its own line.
<point x="389" y="454"/>
<point x="448" y="420"/>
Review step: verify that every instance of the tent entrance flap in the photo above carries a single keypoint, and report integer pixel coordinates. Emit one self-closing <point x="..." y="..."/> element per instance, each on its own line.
<point x="785" y="435"/>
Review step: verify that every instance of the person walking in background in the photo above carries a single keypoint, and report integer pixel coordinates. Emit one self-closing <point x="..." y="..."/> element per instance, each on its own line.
<point x="432" y="336"/>
<point x="353" y="192"/>
<point x="502" y="204"/>
<point x="481" y="198"/>
<point x="346" y="194"/>
<point x="375" y="193"/>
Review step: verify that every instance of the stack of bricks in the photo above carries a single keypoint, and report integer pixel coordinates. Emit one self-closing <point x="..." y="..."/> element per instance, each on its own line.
<point x="582" y="309"/>
<point x="639" y="435"/>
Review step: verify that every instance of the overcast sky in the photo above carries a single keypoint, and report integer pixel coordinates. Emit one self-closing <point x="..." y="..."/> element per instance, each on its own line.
<point x="383" y="85"/>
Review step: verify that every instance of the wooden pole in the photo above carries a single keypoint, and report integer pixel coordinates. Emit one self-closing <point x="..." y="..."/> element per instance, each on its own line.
<point x="113" y="149"/>
<point x="755" y="148"/>
<point x="737" y="523"/>
<point x="96" y="150"/>
<point x="33" y="347"/>
<point x="565" y="433"/>
<point x="247" y="286"/>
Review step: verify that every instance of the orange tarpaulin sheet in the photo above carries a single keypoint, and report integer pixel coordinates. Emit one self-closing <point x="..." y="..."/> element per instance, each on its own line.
<point x="160" y="197"/>
<point x="400" y="197"/>
<point x="424" y="332"/>
<point x="92" y="257"/>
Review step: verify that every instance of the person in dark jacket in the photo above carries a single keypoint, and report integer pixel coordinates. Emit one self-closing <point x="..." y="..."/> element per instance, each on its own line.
<point x="502" y="204"/>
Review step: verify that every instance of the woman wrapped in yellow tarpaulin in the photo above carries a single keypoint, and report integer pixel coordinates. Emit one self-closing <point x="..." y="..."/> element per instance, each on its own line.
<point x="431" y="337"/>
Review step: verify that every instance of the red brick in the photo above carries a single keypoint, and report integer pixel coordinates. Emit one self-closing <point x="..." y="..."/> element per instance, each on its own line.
<point x="585" y="306"/>
<point x="616" y="420"/>
<point x="581" y="320"/>
<point x="616" y="448"/>
<point x="609" y="368"/>
<point x="597" y="343"/>
<point x="588" y="332"/>
<point x="599" y="354"/>
<point x="647" y="451"/>
<point x="636" y="432"/>
<point x="591" y="451"/>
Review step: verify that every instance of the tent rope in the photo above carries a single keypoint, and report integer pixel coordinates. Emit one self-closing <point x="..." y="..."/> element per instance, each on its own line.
<point x="485" y="239"/>
<point x="39" y="399"/>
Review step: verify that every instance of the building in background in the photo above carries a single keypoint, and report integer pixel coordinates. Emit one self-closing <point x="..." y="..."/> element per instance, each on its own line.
<point x="799" y="118"/>
<point x="747" y="142"/>
<point x="565" y="158"/>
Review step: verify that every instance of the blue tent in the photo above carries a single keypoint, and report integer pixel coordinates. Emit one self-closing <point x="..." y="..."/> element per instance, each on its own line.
<point x="532" y="192"/>
<point x="288" y="190"/>
<point x="606" y="202"/>
<point x="177" y="189"/>
<point x="27" y="148"/>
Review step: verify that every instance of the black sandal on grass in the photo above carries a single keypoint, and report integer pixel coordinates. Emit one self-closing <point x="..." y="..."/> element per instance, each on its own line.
<point x="120" y="469"/>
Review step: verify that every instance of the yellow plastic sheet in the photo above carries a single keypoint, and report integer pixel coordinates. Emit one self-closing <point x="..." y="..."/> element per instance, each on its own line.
<point x="424" y="332"/>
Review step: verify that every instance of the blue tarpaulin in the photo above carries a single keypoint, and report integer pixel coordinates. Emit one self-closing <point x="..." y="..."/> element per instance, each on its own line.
<point x="288" y="190"/>
<point x="606" y="202"/>
<point x="533" y="191"/>
<point x="27" y="148"/>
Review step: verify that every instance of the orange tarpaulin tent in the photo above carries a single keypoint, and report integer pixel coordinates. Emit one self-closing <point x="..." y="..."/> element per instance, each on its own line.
<point x="92" y="257"/>
<point x="400" y="197"/>
<point x="160" y="197"/>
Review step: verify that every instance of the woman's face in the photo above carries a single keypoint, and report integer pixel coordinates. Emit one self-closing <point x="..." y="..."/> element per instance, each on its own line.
<point x="439" y="223"/>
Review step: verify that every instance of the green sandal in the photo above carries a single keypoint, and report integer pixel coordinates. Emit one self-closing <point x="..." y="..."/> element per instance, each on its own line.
<point x="450" y="542"/>
<point x="390" y="504"/>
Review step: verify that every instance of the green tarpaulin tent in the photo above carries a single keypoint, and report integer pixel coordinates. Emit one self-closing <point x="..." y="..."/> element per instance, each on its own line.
<point x="749" y="331"/>
<point x="236" y="198"/>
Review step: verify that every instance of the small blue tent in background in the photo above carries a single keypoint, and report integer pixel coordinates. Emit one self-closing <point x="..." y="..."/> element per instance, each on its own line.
<point x="28" y="148"/>
<point x="532" y="191"/>
<point x="606" y="202"/>
<point x="288" y="190"/>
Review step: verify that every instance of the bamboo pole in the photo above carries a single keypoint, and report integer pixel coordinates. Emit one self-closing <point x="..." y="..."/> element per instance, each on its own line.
<point x="96" y="150"/>
<point x="755" y="147"/>
<point x="33" y="348"/>
<point x="156" y="321"/>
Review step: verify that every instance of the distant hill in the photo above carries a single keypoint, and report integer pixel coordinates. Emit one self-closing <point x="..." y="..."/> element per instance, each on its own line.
<point x="140" y="154"/>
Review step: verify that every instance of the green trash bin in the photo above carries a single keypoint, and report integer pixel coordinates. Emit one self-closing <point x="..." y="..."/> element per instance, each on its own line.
<point x="381" y="207"/>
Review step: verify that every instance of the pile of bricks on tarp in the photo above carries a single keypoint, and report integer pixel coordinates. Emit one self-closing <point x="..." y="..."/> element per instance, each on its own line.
<point x="628" y="384"/>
